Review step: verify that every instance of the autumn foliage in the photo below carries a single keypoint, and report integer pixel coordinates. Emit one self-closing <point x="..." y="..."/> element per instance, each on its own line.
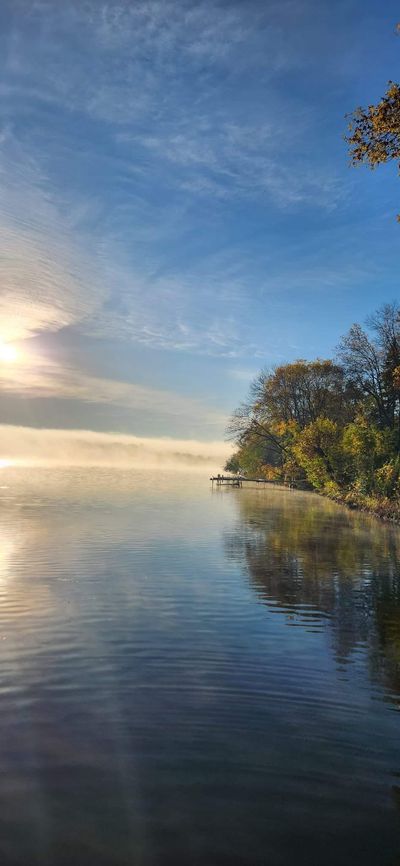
<point x="330" y="425"/>
<point x="374" y="132"/>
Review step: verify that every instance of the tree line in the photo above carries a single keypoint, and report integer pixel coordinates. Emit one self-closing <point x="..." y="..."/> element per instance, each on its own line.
<point x="330" y="424"/>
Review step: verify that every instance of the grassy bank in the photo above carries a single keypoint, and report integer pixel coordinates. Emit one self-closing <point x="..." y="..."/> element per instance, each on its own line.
<point x="378" y="506"/>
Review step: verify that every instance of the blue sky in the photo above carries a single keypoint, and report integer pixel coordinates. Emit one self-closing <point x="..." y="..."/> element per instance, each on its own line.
<point x="176" y="206"/>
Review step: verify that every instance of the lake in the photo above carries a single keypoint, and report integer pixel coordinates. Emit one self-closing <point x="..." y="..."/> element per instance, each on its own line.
<point x="194" y="676"/>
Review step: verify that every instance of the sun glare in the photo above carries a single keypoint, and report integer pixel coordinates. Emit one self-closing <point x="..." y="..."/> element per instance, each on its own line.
<point x="8" y="353"/>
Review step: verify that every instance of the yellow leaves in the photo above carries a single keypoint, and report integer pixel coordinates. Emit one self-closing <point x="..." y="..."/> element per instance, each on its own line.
<point x="291" y="469"/>
<point x="271" y="473"/>
<point x="321" y="433"/>
<point x="317" y="450"/>
<point x="286" y="428"/>
<point x="396" y="371"/>
<point x="374" y="132"/>
<point x="361" y="438"/>
<point x="386" y="478"/>
<point x="332" y="489"/>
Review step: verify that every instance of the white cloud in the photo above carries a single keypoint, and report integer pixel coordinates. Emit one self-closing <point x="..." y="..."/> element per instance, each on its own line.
<point x="219" y="156"/>
<point x="47" y="278"/>
<point x="54" y="275"/>
<point x="38" y="376"/>
<point x="202" y="310"/>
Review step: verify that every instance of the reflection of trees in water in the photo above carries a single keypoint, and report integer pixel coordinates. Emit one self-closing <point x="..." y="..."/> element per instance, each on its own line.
<point x="318" y="562"/>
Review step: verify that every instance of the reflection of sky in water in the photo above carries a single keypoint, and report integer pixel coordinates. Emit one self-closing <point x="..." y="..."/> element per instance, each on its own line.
<point x="188" y="675"/>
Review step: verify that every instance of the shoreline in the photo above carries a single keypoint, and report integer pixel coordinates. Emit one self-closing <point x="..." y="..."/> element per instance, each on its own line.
<point x="383" y="509"/>
<point x="378" y="510"/>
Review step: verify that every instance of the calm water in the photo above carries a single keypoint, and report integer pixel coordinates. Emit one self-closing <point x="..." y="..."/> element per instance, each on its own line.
<point x="195" y="677"/>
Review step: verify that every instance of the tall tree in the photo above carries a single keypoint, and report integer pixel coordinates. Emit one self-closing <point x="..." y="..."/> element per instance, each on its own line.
<point x="302" y="392"/>
<point x="292" y="395"/>
<point x="371" y="362"/>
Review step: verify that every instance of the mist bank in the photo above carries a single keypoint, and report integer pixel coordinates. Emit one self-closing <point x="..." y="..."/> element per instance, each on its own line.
<point x="29" y="446"/>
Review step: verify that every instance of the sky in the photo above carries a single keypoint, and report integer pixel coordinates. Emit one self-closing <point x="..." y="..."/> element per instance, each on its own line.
<point x="177" y="208"/>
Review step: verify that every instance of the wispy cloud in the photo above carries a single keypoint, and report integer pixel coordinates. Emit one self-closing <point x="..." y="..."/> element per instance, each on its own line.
<point x="199" y="312"/>
<point x="152" y="72"/>
<point x="217" y="156"/>
<point x="56" y="273"/>
<point x="48" y="278"/>
<point x="38" y="376"/>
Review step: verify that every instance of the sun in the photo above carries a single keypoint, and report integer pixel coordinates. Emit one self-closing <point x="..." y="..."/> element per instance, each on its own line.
<point x="8" y="353"/>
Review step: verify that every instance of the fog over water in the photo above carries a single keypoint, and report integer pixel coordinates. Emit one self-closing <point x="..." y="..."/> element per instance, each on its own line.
<point x="41" y="447"/>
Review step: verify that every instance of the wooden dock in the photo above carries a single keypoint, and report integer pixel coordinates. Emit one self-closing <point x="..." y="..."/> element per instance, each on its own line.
<point x="236" y="480"/>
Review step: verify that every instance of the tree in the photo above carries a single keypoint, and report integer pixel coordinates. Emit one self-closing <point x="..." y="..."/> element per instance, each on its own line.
<point x="365" y="449"/>
<point x="247" y="425"/>
<point x="299" y="392"/>
<point x="371" y="360"/>
<point x="374" y="132"/>
<point x="233" y="463"/>
<point x="253" y="453"/>
<point x="318" y="452"/>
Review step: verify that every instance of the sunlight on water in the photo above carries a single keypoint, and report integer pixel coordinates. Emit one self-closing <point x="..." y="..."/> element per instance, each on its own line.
<point x="194" y="676"/>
